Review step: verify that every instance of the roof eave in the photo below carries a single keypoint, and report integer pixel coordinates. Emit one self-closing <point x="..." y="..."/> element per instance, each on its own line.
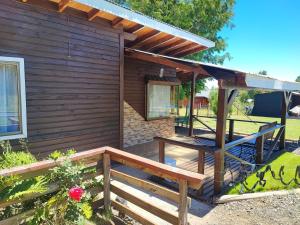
<point x="128" y="14"/>
<point x="250" y="81"/>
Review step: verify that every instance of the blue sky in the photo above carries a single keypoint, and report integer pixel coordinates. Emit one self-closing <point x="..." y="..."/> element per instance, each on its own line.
<point x="266" y="37"/>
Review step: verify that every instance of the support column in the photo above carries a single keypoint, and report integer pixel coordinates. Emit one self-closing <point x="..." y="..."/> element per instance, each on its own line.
<point x="220" y="139"/>
<point x="231" y="130"/>
<point x="161" y="147"/>
<point x="284" y="109"/>
<point x="183" y="203"/>
<point x="260" y="150"/>
<point x="106" y="181"/>
<point x="192" y="100"/>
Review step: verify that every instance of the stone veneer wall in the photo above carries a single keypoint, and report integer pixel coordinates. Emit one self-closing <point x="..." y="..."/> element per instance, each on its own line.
<point x="137" y="130"/>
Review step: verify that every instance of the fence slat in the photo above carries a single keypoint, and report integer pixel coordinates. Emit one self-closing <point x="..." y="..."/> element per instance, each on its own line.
<point x="145" y="185"/>
<point x="169" y="217"/>
<point x="126" y="210"/>
<point x="183" y="204"/>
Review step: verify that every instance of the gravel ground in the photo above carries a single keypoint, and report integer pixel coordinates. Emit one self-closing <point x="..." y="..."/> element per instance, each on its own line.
<point x="273" y="210"/>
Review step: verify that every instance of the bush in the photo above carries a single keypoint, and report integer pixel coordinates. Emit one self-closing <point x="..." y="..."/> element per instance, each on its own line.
<point x="70" y="204"/>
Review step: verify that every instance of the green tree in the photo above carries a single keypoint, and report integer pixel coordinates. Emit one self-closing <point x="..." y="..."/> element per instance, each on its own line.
<point x="263" y="72"/>
<point x="202" y="17"/>
<point x="298" y="79"/>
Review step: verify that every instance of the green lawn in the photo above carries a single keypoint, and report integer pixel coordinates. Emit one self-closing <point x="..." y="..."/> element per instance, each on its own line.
<point x="290" y="162"/>
<point x="293" y="125"/>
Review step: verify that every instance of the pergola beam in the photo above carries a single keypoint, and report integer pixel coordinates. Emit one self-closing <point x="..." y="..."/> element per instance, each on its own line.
<point x="164" y="61"/>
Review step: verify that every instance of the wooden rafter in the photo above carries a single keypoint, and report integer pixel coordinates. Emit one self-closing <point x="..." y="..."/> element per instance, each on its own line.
<point x="135" y="28"/>
<point x="191" y="51"/>
<point x="182" y="49"/>
<point x="93" y="14"/>
<point x="143" y="38"/>
<point x="175" y="45"/>
<point x="63" y="4"/>
<point x="117" y="22"/>
<point x="156" y="43"/>
<point x="129" y="36"/>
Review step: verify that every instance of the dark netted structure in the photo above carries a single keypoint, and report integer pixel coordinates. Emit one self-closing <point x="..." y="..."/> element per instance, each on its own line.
<point x="269" y="104"/>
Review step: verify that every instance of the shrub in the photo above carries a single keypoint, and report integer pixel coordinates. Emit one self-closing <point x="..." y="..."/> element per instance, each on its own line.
<point x="15" y="187"/>
<point x="73" y="200"/>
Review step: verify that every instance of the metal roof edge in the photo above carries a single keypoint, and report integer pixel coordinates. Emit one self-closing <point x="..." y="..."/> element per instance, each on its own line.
<point x="142" y="19"/>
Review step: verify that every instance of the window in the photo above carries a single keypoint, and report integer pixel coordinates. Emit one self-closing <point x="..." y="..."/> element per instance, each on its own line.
<point x="12" y="99"/>
<point x="159" y="103"/>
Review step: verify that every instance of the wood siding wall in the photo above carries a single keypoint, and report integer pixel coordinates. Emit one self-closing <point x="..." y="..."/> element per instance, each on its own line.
<point x="134" y="83"/>
<point x="136" y="129"/>
<point x="72" y="76"/>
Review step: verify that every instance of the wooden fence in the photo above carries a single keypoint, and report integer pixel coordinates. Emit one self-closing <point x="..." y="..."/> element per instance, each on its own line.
<point x="106" y="155"/>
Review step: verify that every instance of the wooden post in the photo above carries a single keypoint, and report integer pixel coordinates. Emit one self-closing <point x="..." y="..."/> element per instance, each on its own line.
<point x="231" y="130"/>
<point x="178" y="90"/>
<point x="284" y="108"/>
<point x="201" y="166"/>
<point x="220" y="140"/>
<point x="161" y="151"/>
<point x="173" y="99"/>
<point x="106" y="181"/>
<point x="192" y="100"/>
<point x="260" y="150"/>
<point x="183" y="203"/>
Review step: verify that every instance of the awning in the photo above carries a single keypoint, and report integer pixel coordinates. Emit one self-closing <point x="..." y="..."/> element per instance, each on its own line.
<point x="228" y="78"/>
<point x="146" y="33"/>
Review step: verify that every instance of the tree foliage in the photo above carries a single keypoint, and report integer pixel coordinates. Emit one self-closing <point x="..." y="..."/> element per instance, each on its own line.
<point x="298" y="79"/>
<point x="202" y="17"/>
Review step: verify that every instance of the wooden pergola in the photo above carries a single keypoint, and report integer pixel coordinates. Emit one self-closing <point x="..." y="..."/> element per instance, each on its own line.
<point x="229" y="81"/>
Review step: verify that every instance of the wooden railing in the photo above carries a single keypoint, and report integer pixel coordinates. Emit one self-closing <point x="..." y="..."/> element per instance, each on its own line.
<point x="184" y="178"/>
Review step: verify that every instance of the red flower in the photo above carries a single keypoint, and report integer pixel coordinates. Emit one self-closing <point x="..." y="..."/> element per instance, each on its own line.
<point x="76" y="193"/>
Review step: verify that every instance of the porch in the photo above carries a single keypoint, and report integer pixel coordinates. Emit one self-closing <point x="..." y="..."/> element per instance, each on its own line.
<point x="189" y="159"/>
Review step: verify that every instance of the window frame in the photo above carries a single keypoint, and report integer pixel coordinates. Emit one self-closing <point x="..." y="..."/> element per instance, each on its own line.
<point x="161" y="83"/>
<point x="22" y="100"/>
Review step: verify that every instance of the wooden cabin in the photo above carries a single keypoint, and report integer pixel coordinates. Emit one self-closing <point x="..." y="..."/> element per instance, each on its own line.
<point x="89" y="73"/>
<point x="73" y="87"/>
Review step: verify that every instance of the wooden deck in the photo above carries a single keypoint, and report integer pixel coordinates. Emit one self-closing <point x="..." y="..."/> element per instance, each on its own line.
<point x="187" y="159"/>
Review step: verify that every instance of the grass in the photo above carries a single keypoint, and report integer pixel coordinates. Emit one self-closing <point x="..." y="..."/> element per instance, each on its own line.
<point x="293" y="125"/>
<point x="289" y="160"/>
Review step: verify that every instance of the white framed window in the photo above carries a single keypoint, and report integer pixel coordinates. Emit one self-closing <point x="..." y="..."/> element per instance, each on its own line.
<point x="159" y="101"/>
<point x="13" y="121"/>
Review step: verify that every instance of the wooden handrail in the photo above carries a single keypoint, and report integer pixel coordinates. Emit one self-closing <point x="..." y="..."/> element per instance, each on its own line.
<point x="35" y="169"/>
<point x="251" y="137"/>
<point x="108" y="154"/>
<point x="185" y="144"/>
<point x="194" y="180"/>
<point x="238" y="120"/>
